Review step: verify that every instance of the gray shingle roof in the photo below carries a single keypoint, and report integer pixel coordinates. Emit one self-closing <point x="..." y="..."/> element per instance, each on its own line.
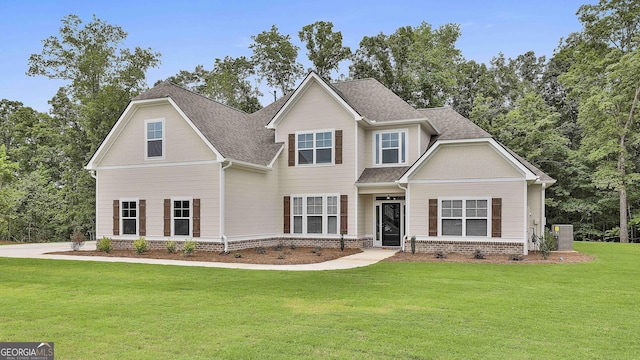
<point x="381" y="175"/>
<point x="234" y="133"/>
<point x="374" y="101"/>
<point x="453" y="126"/>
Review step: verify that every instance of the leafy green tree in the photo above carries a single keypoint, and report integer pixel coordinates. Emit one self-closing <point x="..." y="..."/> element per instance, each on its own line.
<point x="605" y="77"/>
<point x="324" y="47"/>
<point x="276" y="59"/>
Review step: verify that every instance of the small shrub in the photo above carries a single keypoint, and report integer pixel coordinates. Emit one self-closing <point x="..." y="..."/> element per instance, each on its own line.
<point x="280" y="257"/>
<point x="293" y="246"/>
<point x="237" y="255"/>
<point x="441" y="255"/>
<point x="341" y="242"/>
<point x="260" y="250"/>
<point x="479" y="254"/>
<point x="316" y="250"/>
<point x="413" y="244"/>
<point x="141" y="245"/>
<point x="189" y="247"/>
<point x="547" y="244"/>
<point x="277" y="247"/>
<point x="77" y="240"/>
<point x="171" y="246"/>
<point x="105" y="245"/>
<point x="516" y="257"/>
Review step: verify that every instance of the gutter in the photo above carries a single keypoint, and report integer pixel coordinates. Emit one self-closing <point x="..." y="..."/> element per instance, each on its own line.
<point x="406" y="190"/>
<point x="222" y="206"/>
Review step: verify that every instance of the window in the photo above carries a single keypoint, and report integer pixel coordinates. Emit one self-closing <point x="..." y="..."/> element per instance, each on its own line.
<point x="315" y="148"/>
<point x="155" y="138"/>
<point x="129" y="217"/>
<point x="182" y="217"/>
<point x="315" y="214"/>
<point x="465" y="217"/>
<point x="390" y="147"/>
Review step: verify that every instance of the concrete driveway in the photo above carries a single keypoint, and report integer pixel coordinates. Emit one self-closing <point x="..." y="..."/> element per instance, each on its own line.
<point x="40" y="250"/>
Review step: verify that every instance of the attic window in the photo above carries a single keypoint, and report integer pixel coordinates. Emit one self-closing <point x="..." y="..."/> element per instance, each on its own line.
<point x="154" y="139"/>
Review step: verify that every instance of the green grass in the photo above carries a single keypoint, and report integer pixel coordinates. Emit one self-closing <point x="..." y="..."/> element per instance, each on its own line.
<point x="389" y="310"/>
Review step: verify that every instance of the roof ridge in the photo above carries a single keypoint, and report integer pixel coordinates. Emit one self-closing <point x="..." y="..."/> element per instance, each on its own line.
<point x="204" y="97"/>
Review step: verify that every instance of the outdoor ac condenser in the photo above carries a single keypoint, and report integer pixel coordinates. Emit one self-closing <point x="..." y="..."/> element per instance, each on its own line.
<point x="564" y="236"/>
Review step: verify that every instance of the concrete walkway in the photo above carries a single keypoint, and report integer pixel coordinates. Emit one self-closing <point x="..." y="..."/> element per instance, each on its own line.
<point x="39" y="251"/>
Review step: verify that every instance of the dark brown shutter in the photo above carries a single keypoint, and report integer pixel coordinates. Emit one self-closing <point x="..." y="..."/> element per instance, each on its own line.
<point x="292" y="149"/>
<point x="338" y="137"/>
<point x="496" y="217"/>
<point x="167" y="217"/>
<point x="116" y="217"/>
<point x="433" y="217"/>
<point x="287" y="214"/>
<point x="344" y="209"/>
<point x="142" y="219"/>
<point x="196" y="217"/>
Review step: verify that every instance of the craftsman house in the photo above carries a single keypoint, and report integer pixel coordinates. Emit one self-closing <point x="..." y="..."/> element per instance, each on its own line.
<point x="345" y="160"/>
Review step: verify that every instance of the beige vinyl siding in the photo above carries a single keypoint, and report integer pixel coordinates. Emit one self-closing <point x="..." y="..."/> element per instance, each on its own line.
<point x="364" y="150"/>
<point x="365" y="215"/>
<point x="181" y="143"/>
<point x="534" y="202"/>
<point x="252" y="203"/>
<point x="511" y="192"/>
<point x="318" y="110"/>
<point x="466" y="161"/>
<point x="154" y="184"/>
<point x="425" y="138"/>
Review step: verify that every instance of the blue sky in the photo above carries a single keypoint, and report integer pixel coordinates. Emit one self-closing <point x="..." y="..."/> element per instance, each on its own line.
<point x="188" y="33"/>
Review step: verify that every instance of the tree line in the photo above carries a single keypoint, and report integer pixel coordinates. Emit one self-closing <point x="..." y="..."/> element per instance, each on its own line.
<point x="573" y="115"/>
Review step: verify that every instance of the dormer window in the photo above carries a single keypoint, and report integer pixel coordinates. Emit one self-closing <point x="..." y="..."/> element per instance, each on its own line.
<point x="314" y="148"/>
<point x="154" y="139"/>
<point x="390" y="147"/>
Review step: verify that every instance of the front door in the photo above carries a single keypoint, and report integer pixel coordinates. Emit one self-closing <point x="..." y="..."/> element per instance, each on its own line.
<point x="391" y="225"/>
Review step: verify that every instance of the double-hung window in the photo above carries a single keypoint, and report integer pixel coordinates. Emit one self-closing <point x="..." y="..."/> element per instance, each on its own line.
<point x="182" y="217"/>
<point x="154" y="139"/>
<point x="315" y="214"/>
<point x="129" y="217"/>
<point x="315" y="148"/>
<point x="465" y="217"/>
<point x="390" y="147"/>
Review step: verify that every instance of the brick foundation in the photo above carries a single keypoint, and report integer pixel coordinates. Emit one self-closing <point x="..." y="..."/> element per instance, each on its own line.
<point x="360" y="243"/>
<point x="466" y="247"/>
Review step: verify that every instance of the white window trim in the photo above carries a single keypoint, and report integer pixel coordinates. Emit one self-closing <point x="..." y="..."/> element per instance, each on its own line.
<point x="137" y="201"/>
<point x="325" y="214"/>
<point x="146" y="140"/>
<point x="377" y="153"/>
<point x="464" y="215"/>
<point x="314" y="132"/>
<point x="182" y="198"/>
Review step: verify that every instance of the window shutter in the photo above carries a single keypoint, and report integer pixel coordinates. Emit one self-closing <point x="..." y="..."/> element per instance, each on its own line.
<point x="496" y="217"/>
<point x="287" y="215"/>
<point x="338" y="136"/>
<point x="167" y="217"/>
<point x="196" y="217"/>
<point x="116" y="217"/>
<point x="433" y="217"/>
<point x="142" y="219"/>
<point x="344" y="209"/>
<point x="292" y="149"/>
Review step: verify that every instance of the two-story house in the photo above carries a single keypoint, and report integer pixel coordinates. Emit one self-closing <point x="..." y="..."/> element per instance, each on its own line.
<point x="346" y="160"/>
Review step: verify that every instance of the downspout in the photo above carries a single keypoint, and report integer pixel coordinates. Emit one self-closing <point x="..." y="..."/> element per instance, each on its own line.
<point x="406" y="219"/>
<point x="222" y="206"/>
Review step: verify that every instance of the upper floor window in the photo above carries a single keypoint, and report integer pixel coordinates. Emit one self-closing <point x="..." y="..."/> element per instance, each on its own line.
<point x="390" y="147"/>
<point x="465" y="217"/>
<point x="315" y="148"/>
<point x="155" y="138"/>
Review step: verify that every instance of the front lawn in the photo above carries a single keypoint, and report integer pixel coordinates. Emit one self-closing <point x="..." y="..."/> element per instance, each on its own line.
<point x="388" y="310"/>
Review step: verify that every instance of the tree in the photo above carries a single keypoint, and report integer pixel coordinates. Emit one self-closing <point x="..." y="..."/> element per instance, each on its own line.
<point x="276" y="59"/>
<point x="324" y="47"/>
<point x="605" y="77"/>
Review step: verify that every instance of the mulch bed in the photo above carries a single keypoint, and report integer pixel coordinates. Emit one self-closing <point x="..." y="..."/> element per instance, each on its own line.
<point x="556" y="257"/>
<point x="282" y="256"/>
